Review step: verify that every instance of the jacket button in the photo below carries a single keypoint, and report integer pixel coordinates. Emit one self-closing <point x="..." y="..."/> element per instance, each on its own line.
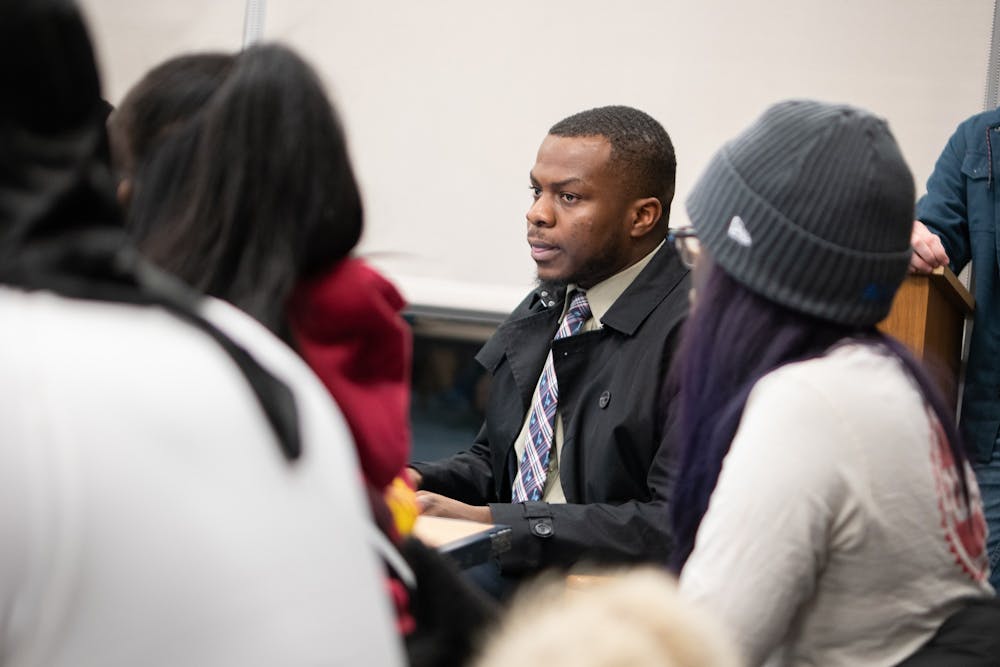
<point x="542" y="529"/>
<point x="604" y="399"/>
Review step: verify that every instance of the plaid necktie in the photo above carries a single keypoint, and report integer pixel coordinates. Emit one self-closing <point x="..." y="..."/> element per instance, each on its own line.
<point x="535" y="461"/>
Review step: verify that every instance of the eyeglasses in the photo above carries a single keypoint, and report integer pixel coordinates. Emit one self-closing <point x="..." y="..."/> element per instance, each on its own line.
<point x="685" y="239"/>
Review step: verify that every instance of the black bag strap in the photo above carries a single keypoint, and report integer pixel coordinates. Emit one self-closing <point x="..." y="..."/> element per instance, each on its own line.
<point x="968" y="638"/>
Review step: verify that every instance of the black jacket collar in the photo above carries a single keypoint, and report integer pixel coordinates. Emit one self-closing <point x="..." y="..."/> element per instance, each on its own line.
<point x="538" y="315"/>
<point x="649" y="288"/>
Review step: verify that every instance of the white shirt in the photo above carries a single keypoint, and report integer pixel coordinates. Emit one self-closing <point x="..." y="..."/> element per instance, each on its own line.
<point x="147" y="515"/>
<point x="836" y="534"/>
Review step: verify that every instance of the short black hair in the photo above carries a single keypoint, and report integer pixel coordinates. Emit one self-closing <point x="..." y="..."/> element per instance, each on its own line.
<point x="641" y="149"/>
<point x="49" y="80"/>
<point x="53" y="176"/>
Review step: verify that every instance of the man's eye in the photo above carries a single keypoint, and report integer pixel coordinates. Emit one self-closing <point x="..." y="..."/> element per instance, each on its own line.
<point x="569" y="198"/>
<point x="535" y="191"/>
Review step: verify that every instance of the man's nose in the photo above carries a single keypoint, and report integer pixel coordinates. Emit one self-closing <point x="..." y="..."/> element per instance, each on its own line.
<point x="540" y="212"/>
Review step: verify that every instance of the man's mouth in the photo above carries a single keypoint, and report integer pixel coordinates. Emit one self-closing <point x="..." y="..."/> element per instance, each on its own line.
<point x="541" y="252"/>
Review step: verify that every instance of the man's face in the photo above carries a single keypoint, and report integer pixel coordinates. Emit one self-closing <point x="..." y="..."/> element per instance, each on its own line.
<point x="579" y="222"/>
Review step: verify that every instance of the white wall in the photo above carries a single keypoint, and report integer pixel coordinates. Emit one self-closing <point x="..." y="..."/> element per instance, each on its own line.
<point x="446" y="101"/>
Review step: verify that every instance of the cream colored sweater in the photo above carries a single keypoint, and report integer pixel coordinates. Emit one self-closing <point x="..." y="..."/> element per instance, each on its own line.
<point x="836" y="534"/>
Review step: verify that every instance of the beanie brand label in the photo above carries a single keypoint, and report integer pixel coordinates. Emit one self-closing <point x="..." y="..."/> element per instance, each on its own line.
<point x="878" y="293"/>
<point x="738" y="232"/>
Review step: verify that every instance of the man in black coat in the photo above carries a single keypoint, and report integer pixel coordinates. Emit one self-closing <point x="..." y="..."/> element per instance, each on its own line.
<point x="575" y="451"/>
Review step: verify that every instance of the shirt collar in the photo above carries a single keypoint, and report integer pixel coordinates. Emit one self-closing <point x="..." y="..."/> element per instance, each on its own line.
<point x="604" y="294"/>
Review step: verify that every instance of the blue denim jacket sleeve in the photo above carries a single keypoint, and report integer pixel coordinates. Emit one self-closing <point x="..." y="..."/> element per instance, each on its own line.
<point x="944" y="209"/>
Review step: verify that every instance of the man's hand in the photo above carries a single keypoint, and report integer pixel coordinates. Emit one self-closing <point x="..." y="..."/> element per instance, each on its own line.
<point x="928" y="253"/>
<point x="433" y="504"/>
<point x="413" y="477"/>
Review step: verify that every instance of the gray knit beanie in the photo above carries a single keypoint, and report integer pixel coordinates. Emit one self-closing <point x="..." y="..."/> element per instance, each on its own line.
<point x="811" y="207"/>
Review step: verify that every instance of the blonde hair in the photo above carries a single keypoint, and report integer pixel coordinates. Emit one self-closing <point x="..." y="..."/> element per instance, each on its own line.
<point x="631" y="618"/>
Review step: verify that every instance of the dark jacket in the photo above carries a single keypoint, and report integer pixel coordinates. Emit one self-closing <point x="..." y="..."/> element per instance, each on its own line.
<point x="616" y="467"/>
<point x="962" y="206"/>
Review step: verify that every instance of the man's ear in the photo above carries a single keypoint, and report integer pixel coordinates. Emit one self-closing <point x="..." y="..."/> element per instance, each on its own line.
<point x="646" y="214"/>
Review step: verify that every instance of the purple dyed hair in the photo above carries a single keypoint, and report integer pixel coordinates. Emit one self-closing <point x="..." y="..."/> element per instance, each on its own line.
<point x="731" y="340"/>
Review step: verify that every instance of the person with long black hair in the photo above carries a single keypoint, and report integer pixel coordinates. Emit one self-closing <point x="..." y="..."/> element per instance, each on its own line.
<point x="174" y="488"/>
<point x="824" y="507"/>
<point x="238" y="181"/>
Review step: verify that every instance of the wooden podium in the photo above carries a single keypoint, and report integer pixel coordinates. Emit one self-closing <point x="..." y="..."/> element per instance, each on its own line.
<point x="928" y="316"/>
